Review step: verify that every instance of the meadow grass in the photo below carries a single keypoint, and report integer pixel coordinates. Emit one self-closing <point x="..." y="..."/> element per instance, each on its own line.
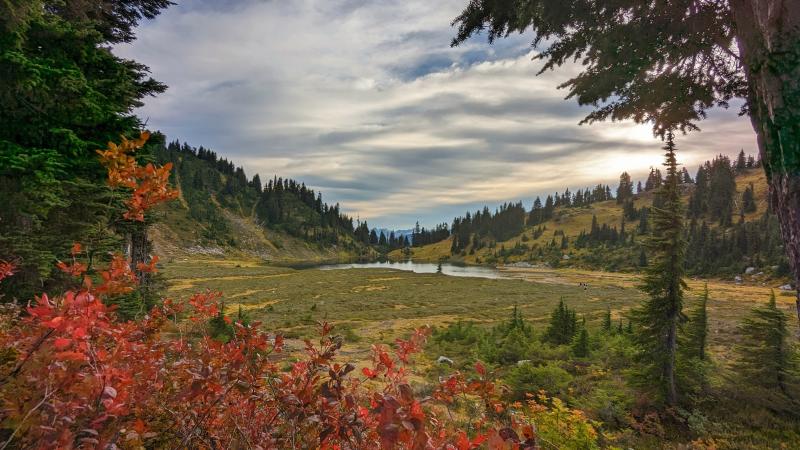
<point x="379" y="305"/>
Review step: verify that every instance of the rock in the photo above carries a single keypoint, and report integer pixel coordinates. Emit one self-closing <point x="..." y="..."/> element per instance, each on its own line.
<point x="522" y="362"/>
<point x="565" y="257"/>
<point x="786" y="287"/>
<point x="444" y="360"/>
<point x="737" y="279"/>
<point x="749" y="271"/>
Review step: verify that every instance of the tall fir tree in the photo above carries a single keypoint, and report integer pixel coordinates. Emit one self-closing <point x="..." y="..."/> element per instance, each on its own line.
<point x="580" y="345"/>
<point x="696" y="330"/>
<point x="607" y="320"/>
<point x="661" y="314"/>
<point x="766" y="359"/>
<point x="563" y="325"/>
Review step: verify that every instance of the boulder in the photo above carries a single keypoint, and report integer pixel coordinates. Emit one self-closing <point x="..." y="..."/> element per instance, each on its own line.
<point x="444" y="360"/>
<point x="750" y="271"/>
<point x="785" y="287"/>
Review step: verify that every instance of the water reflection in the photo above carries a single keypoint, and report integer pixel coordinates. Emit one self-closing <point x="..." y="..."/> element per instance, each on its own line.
<point x="419" y="267"/>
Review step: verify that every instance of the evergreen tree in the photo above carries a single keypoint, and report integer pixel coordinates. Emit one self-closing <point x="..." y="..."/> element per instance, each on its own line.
<point x="563" y="325"/>
<point x="607" y="320"/>
<point x="748" y="200"/>
<point x="642" y="258"/>
<point x="659" y="317"/>
<point x="766" y="359"/>
<point x="580" y="345"/>
<point x="696" y="330"/>
<point x="625" y="189"/>
<point x="64" y="94"/>
<point x="741" y="161"/>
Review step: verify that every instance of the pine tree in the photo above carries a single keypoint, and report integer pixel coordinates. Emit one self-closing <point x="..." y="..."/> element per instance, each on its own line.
<point x="580" y="345"/>
<point x="563" y="325"/>
<point x="607" y="320"/>
<point x="642" y="258"/>
<point x="696" y="330"/>
<point x="766" y="359"/>
<point x="625" y="189"/>
<point x="748" y="200"/>
<point x="659" y="317"/>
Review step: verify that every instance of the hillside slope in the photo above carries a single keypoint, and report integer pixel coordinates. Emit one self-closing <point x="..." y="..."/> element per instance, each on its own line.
<point x="543" y="244"/>
<point x="221" y="213"/>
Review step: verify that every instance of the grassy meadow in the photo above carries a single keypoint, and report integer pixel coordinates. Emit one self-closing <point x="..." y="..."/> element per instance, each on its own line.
<point x="378" y="305"/>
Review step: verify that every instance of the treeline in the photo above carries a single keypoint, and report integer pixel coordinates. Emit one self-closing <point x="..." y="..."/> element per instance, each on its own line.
<point x="720" y="244"/>
<point x="506" y="222"/>
<point x="208" y="181"/>
<point x="423" y="236"/>
<point x="715" y="193"/>
<point x="380" y="240"/>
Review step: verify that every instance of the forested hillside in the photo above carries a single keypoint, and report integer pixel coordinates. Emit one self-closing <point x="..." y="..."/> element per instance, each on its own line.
<point x="220" y="210"/>
<point x="729" y="226"/>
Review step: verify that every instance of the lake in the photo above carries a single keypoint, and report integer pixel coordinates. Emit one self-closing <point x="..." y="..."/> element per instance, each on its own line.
<point x="418" y="267"/>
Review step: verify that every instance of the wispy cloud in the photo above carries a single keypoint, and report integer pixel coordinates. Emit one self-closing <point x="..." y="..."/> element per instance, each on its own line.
<point x="366" y="101"/>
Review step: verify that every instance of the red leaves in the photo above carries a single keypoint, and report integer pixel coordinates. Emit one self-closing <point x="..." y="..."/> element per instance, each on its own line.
<point x="480" y="369"/>
<point x="118" y="278"/>
<point x="149" y="267"/>
<point x="7" y="269"/>
<point x="149" y="184"/>
<point x="465" y="443"/>
<point x="62" y="343"/>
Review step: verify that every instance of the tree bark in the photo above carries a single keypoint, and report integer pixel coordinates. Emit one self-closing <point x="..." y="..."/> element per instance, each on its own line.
<point x="768" y="37"/>
<point x="139" y="251"/>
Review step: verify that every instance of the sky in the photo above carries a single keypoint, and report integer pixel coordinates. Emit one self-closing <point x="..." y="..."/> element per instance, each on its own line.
<point x="365" y="101"/>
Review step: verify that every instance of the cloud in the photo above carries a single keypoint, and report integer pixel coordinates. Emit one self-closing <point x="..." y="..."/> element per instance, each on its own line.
<point x="366" y="102"/>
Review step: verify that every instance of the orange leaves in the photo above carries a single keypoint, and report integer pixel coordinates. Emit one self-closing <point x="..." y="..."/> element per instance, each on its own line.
<point x="118" y="278"/>
<point x="76" y="269"/>
<point x="149" y="267"/>
<point x="205" y="305"/>
<point x="150" y="184"/>
<point x="152" y="189"/>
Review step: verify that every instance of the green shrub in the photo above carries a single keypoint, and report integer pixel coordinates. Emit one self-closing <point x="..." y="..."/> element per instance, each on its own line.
<point x="527" y="378"/>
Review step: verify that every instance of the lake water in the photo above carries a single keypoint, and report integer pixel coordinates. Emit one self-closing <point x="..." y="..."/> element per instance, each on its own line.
<point x="417" y="267"/>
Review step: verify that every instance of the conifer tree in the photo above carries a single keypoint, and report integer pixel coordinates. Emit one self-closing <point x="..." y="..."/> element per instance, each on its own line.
<point x="748" y="200"/>
<point x="766" y="359"/>
<point x="694" y="345"/>
<point x="642" y="258"/>
<point x="580" y="345"/>
<point x="625" y="189"/>
<point x="661" y="314"/>
<point x="563" y="325"/>
<point x="607" y="320"/>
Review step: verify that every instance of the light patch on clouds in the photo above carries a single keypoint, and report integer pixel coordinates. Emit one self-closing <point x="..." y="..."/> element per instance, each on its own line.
<point x="366" y="102"/>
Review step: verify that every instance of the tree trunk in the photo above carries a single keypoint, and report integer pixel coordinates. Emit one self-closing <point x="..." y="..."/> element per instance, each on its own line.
<point x="768" y="36"/>
<point x="139" y="250"/>
<point x="669" y="369"/>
